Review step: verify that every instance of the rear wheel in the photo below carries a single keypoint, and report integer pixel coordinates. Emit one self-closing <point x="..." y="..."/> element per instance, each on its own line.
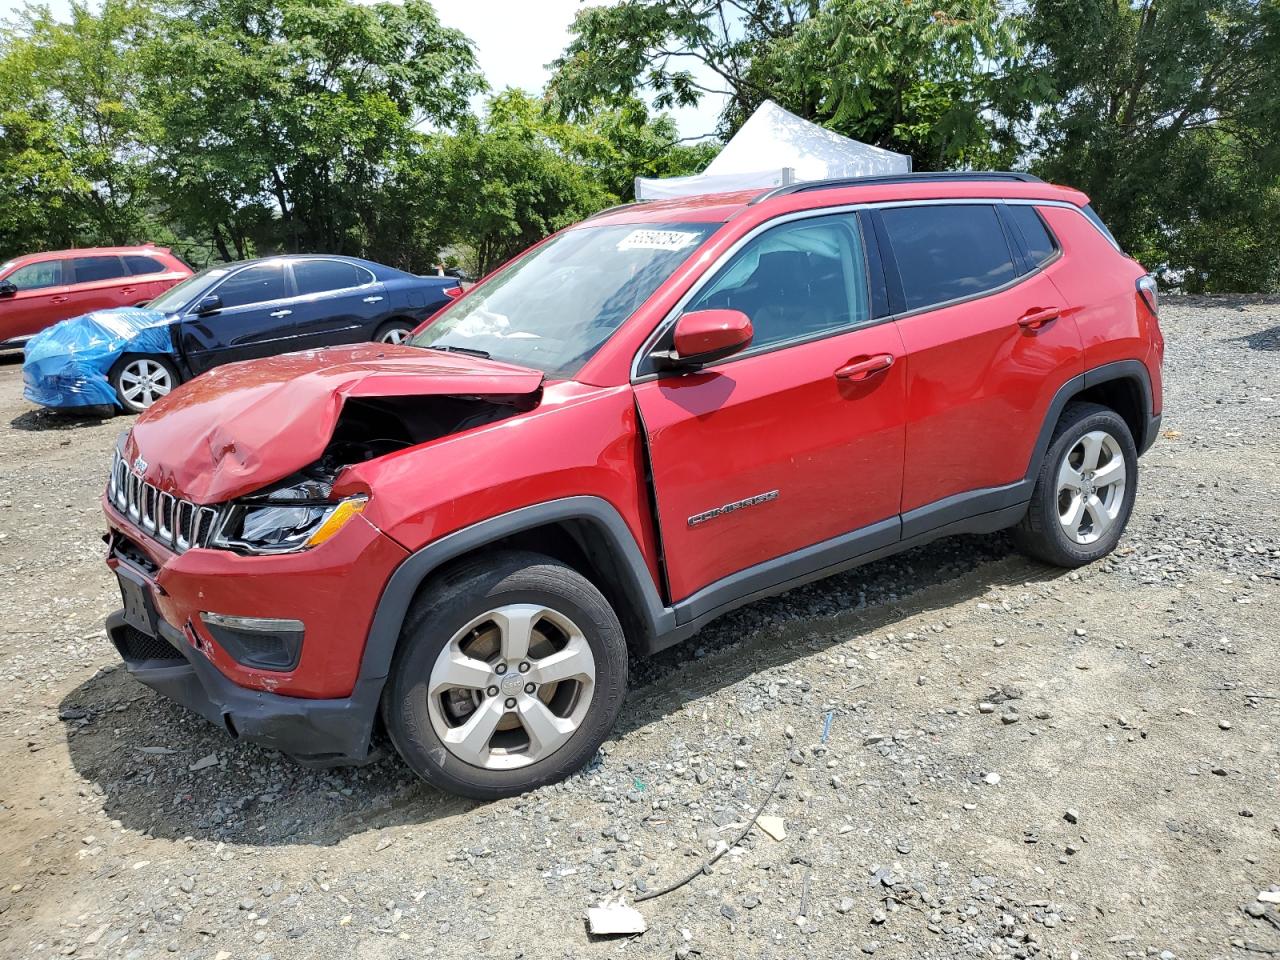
<point x="511" y="671"/>
<point x="141" y="381"/>
<point x="1085" y="489"/>
<point x="394" y="331"/>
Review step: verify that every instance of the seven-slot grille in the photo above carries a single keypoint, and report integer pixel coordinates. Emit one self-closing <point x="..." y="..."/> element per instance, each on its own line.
<point x="179" y="524"/>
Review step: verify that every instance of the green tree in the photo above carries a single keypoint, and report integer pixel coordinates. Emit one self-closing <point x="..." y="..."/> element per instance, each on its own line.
<point x="1165" y="114"/>
<point x="918" y="78"/>
<point x="293" y="110"/>
<point x="75" y="164"/>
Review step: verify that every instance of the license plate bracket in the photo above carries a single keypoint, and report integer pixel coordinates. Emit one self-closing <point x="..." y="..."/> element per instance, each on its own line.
<point x="139" y="606"/>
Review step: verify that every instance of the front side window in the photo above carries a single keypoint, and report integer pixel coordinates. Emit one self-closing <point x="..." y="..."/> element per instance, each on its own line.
<point x="795" y="281"/>
<point x="46" y="273"/>
<point x="554" y="307"/>
<point x="95" y="269"/>
<point x="256" y="284"/>
<point x="948" y="252"/>
<point x="319" y="276"/>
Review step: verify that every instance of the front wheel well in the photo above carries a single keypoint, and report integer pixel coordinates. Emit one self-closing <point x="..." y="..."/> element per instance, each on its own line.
<point x="584" y="546"/>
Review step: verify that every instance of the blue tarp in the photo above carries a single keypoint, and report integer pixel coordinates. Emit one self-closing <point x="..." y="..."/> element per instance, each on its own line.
<point x="67" y="364"/>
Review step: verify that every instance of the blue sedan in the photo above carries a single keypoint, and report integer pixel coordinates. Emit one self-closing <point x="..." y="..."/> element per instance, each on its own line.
<point x="131" y="357"/>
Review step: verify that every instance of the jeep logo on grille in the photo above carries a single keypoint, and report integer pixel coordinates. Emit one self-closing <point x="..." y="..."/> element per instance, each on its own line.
<point x="140" y="465"/>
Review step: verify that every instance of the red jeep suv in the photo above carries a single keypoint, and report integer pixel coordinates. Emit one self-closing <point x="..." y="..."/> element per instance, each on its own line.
<point x="646" y="420"/>
<point x="38" y="290"/>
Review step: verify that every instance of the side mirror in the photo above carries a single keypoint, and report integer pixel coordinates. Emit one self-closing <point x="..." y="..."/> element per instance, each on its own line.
<point x="209" y="304"/>
<point x="7" y="289"/>
<point x="704" y="336"/>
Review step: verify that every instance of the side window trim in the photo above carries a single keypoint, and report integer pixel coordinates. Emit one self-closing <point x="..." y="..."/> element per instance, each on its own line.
<point x="1017" y="242"/>
<point x="361" y="271"/>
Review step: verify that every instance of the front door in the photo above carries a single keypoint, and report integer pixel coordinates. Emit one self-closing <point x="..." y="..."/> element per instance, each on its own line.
<point x="797" y="440"/>
<point x="40" y="300"/>
<point x="256" y="319"/>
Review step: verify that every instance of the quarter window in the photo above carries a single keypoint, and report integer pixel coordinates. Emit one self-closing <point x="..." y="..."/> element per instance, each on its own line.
<point x="253" y="285"/>
<point x="94" y="269"/>
<point x="1035" y="235"/>
<point x="947" y="252"/>
<point x="795" y="281"/>
<point x="317" y="276"/>
<point x="138" y="264"/>
<point x="47" y="273"/>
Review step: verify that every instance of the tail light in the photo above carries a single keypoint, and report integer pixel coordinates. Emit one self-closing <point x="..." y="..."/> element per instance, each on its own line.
<point x="1150" y="293"/>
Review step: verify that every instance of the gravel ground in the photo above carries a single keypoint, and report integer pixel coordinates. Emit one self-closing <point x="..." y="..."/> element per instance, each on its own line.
<point x="981" y="755"/>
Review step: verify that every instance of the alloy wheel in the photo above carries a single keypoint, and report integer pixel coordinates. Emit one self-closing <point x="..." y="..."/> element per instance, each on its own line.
<point x="143" y="382"/>
<point x="1091" y="487"/>
<point x="395" y="335"/>
<point x="511" y="687"/>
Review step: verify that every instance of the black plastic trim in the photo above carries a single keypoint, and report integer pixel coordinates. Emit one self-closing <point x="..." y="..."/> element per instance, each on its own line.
<point x="875" y="266"/>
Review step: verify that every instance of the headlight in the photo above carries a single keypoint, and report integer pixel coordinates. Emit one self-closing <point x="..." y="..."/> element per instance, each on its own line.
<point x="285" y="521"/>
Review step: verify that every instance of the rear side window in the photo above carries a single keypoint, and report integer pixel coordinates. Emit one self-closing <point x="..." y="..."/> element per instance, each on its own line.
<point x="253" y="285"/>
<point x="138" y="264"/>
<point x="795" y="281"/>
<point x="93" y="269"/>
<point x="317" y="276"/>
<point x="947" y="252"/>
<point x="1035" y="235"/>
<point x="47" y="273"/>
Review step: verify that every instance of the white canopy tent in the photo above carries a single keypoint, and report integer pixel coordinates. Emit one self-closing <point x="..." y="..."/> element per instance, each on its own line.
<point x="774" y="148"/>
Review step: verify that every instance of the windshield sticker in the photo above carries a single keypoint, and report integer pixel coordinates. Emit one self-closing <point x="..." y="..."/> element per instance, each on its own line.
<point x="657" y="240"/>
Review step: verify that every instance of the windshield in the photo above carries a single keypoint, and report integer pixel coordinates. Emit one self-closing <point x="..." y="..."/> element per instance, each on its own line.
<point x="553" y="308"/>
<point x="177" y="297"/>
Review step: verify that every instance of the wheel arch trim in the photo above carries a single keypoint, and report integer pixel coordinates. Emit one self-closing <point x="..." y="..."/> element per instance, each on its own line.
<point x="402" y="587"/>
<point x="1134" y="370"/>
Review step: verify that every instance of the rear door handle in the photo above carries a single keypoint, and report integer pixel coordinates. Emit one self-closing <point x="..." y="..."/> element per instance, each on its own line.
<point x="58" y="299"/>
<point x="372" y="299"/>
<point x="280" y="313"/>
<point x="1037" y="318"/>
<point x="865" y="367"/>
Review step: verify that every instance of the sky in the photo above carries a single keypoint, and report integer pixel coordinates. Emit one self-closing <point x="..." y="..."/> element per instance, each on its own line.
<point x="515" y="40"/>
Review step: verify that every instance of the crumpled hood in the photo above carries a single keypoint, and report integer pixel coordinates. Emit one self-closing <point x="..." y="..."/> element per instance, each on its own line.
<point x="241" y="427"/>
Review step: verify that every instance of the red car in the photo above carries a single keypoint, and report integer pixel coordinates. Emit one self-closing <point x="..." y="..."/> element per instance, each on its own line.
<point x="38" y="290"/>
<point x="648" y="419"/>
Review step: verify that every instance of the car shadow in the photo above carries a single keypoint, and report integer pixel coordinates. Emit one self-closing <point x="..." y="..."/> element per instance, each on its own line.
<point x="43" y="419"/>
<point x="1268" y="339"/>
<point x="164" y="771"/>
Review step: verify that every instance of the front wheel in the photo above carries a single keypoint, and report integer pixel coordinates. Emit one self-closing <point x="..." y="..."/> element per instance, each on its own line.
<point x="141" y="381"/>
<point x="511" y="670"/>
<point x="1085" y="489"/>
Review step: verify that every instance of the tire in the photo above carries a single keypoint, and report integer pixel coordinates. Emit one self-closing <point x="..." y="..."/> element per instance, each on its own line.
<point x="468" y="615"/>
<point x="394" y="331"/>
<point x="1074" y="517"/>
<point x="142" y="379"/>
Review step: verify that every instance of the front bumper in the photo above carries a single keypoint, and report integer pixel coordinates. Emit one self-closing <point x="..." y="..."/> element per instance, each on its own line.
<point x="317" y="732"/>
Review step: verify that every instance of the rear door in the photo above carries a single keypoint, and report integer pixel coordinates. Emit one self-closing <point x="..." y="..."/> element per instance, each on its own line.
<point x="775" y="449"/>
<point x="338" y="302"/>
<point x="101" y="282"/>
<point x="988" y="342"/>
<point x="40" y="301"/>
<point x="256" y="319"/>
<point x="150" y="276"/>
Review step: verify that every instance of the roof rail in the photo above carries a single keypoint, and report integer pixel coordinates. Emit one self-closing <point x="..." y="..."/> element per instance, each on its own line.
<point x="941" y="177"/>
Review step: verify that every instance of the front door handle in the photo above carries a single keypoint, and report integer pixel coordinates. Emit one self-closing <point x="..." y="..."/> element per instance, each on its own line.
<point x="1037" y="318"/>
<point x="865" y="367"/>
<point x="58" y="299"/>
<point x="372" y="299"/>
<point x="281" y="313"/>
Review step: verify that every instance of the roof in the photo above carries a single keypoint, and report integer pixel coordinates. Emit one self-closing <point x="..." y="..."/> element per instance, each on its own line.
<point x="87" y="252"/>
<point x="721" y="207"/>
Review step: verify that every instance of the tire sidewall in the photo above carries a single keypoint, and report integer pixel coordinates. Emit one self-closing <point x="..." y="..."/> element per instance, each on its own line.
<point x="1113" y="424"/>
<point x="405" y="701"/>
